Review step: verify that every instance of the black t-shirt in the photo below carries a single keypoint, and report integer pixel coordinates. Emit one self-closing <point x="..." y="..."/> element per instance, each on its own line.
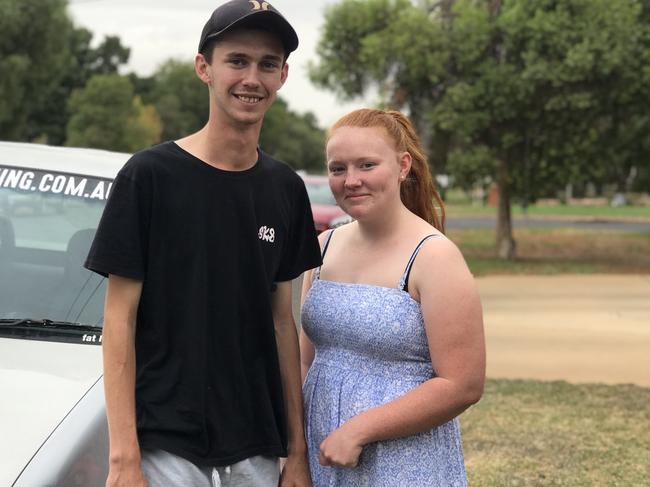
<point x="208" y="245"/>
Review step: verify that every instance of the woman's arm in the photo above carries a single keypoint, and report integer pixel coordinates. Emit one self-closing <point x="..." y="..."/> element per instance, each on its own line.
<point x="454" y="325"/>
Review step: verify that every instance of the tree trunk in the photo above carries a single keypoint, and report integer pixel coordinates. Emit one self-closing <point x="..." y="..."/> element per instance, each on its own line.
<point x="505" y="241"/>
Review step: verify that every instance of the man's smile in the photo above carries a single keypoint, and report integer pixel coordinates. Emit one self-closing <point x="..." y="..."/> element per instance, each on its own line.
<point x="249" y="99"/>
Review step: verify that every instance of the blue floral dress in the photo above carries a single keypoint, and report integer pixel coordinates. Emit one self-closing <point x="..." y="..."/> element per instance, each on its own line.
<point x="371" y="347"/>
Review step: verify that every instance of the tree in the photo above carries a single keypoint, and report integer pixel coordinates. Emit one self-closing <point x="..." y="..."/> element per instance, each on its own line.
<point x="179" y="96"/>
<point x="48" y="120"/>
<point x="108" y="56"/>
<point x="34" y="55"/>
<point x="387" y="44"/>
<point x="521" y="92"/>
<point x="43" y="57"/>
<point x="105" y="114"/>
<point x="532" y="92"/>
<point x="625" y="115"/>
<point x="293" y="138"/>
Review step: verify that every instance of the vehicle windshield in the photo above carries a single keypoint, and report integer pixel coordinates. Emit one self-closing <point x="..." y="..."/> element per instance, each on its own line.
<point x="47" y="223"/>
<point x="320" y="193"/>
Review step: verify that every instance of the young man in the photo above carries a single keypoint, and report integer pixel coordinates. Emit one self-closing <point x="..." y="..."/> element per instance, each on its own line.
<point x="200" y="239"/>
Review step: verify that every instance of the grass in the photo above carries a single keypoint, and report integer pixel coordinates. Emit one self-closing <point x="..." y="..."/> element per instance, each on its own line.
<point x="557" y="251"/>
<point x="555" y="434"/>
<point x="458" y="203"/>
<point x="532" y="433"/>
<point x="556" y="211"/>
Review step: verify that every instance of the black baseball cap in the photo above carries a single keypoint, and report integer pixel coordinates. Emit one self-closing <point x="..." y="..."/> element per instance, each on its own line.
<point x="249" y="13"/>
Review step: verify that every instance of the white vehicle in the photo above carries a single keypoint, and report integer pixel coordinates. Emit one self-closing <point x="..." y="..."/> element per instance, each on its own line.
<point x="53" y="429"/>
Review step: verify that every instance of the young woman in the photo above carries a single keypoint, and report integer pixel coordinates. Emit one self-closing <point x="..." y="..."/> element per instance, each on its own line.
<point x="392" y="344"/>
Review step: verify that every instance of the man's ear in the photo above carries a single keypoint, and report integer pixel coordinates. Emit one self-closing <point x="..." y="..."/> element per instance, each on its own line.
<point x="201" y="67"/>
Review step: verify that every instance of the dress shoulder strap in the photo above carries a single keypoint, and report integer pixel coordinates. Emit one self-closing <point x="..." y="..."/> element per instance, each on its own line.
<point x="322" y="254"/>
<point x="403" y="283"/>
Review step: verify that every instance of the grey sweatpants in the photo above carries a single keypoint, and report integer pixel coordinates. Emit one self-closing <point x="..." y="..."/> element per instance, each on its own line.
<point x="163" y="469"/>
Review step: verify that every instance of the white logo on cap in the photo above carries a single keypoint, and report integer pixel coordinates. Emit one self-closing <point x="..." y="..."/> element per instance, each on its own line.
<point x="259" y="5"/>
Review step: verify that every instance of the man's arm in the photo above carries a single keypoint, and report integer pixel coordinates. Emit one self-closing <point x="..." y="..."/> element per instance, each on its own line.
<point x="296" y="469"/>
<point x="307" y="351"/>
<point x="118" y="344"/>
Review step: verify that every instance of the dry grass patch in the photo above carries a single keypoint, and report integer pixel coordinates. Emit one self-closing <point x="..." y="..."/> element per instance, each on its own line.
<point x="532" y="433"/>
<point x="557" y="250"/>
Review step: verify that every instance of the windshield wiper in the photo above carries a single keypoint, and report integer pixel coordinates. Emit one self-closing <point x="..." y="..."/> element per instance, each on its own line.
<point x="50" y="331"/>
<point x="45" y="323"/>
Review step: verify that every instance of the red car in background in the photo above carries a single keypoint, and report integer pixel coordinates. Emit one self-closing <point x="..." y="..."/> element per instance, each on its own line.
<point x="327" y="214"/>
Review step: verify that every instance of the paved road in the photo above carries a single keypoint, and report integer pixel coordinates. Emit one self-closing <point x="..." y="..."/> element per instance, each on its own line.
<point x="582" y="328"/>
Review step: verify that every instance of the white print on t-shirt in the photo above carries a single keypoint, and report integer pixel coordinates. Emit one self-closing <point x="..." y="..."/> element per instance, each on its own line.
<point x="267" y="234"/>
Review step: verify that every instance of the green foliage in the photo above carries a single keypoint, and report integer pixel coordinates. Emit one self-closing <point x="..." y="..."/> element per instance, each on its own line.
<point x="386" y="44"/>
<point x="394" y="48"/>
<point x="553" y="74"/>
<point x="295" y="139"/>
<point x="531" y="93"/>
<point x="144" y="126"/>
<point x="544" y="91"/>
<point x="43" y="57"/>
<point x="34" y="55"/>
<point x="50" y="118"/>
<point x="109" y="56"/>
<point x="180" y="98"/>
<point x="106" y="115"/>
<point x="347" y="49"/>
<point x="468" y="164"/>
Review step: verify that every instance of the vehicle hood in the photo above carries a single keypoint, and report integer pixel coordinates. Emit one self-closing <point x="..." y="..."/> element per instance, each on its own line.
<point x="326" y="213"/>
<point x="40" y="383"/>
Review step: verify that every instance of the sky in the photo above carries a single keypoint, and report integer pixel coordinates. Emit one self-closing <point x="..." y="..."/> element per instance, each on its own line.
<point x="157" y="30"/>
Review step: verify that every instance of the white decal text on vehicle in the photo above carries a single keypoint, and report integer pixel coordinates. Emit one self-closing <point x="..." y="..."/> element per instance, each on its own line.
<point x="52" y="183"/>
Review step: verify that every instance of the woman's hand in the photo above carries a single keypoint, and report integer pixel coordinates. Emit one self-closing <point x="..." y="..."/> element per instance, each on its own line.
<point x="341" y="448"/>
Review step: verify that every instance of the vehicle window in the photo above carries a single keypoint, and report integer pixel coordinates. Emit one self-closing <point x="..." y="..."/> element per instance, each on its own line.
<point x="320" y="194"/>
<point x="47" y="223"/>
